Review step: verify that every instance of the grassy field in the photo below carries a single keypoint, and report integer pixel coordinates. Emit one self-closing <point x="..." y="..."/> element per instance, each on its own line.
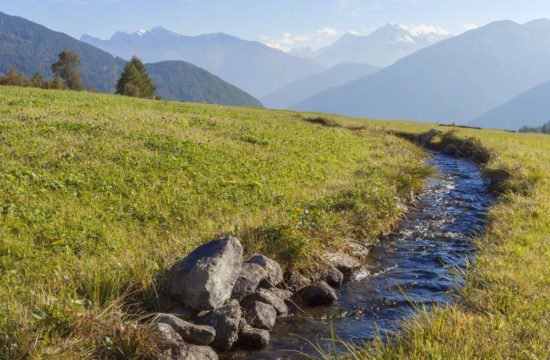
<point x="504" y="311"/>
<point x="99" y="195"/>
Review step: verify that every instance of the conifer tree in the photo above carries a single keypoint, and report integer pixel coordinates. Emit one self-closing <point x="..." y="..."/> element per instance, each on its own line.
<point x="135" y="81"/>
<point x="66" y="68"/>
<point x="37" y="80"/>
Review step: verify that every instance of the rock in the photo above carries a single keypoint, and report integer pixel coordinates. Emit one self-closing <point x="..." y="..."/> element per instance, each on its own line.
<point x="295" y="281"/>
<point x="272" y="268"/>
<point x="282" y="293"/>
<point x="253" y="338"/>
<point x="318" y="294"/>
<point x="343" y="262"/>
<point x="204" y="280"/>
<point x="260" y="315"/>
<point x="268" y="297"/>
<point x="357" y="250"/>
<point x="166" y="305"/>
<point x="334" y="277"/>
<point x="165" y="337"/>
<point x="227" y="323"/>
<point x="190" y="333"/>
<point x="248" y="281"/>
<point x="195" y="352"/>
<point x="172" y="346"/>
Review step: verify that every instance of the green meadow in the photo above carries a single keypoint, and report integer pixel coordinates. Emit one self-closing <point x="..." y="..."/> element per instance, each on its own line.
<point x="100" y="194"/>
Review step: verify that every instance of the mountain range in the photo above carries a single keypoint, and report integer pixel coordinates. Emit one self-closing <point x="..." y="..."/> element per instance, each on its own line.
<point x="382" y="47"/>
<point x="454" y="80"/>
<point x="300" y="90"/>
<point x="529" y="108"/>
<point x="250" y="65"/>
<point x="32" y="48"/>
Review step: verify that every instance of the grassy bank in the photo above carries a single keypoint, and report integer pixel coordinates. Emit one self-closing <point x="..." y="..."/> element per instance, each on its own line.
<point x="504" y="311"/>
<point x="99" y="195"/>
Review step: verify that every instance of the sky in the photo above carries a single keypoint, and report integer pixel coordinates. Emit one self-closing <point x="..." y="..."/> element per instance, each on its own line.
<point x="284" y="24"/>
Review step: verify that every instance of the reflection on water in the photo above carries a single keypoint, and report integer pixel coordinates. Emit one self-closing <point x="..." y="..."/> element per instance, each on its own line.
<point x="415" y="266"/>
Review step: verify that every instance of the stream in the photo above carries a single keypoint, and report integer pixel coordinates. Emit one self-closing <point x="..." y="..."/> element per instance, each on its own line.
<point x="415" y="266"/>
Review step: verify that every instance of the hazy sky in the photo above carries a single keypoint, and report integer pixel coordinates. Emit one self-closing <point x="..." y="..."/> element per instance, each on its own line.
<point x="283" y="23"/>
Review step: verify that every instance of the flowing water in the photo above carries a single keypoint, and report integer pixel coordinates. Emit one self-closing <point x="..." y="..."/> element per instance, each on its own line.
<point x="416" y="266"/>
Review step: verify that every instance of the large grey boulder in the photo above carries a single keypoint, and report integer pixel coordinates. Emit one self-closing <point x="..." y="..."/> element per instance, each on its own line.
<point x="248" y="281"/>
<point x="253" y="338"/>
<point x="204" y="280"/>
<point x="190" y="333"/>
<point x="273" y="269"/>
<point x="260" y="315"/>
<point x="318" y="294"/>
<point x="227" y="323"/>
<point x="268" y="297"/>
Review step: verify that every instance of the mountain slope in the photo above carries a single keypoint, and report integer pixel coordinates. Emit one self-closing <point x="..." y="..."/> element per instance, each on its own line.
<point x="381" y="48"/>
<point x="252" y="66"/>
<point x="32" y="47"/>
<point x="455" y="80"/>
<point x="300" y="90"/>
<point x="529" y="108"/>
<point x="178" y="80"/>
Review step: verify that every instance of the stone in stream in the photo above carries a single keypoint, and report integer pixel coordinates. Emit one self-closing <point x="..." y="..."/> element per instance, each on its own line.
<point x="260" y="315"/>
<point x="253" y="338"/>
<point x="204" y="280"/>
<point x="191" y="333"/>
<point x="268" y="297"/>
<point x="343" y="262"/>
<point x="318" y="294"/>
<point x="227" y="323"/>
<point x="248" y="281"/>
<point x="334" y="277"/>
<point x="295" y="281"/>
<point x="273" y="269"/>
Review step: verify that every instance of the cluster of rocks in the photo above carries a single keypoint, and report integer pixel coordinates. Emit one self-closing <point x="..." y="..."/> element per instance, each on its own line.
<point x="214" y="299"/>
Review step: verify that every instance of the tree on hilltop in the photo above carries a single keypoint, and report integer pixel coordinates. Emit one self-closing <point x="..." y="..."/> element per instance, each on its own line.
<point x="66" y="68"/>
<point x="135" y="81"/>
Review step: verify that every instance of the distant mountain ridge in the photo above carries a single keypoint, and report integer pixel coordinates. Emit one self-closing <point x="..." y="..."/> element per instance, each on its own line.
<point x="531" y="108"/>
<point x="198" y="85"/>
<point x="455" y="80"/>
<point x="32" y="47"/>
<point x="300" y="90"/>
<point x="382" y="47"/>
<point x="250" y="65"/>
